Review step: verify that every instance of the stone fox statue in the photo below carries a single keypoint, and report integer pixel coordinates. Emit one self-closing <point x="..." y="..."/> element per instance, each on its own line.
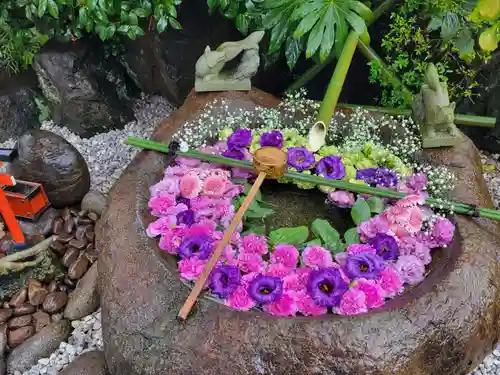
<point x="434" y="112"/>
<point x="210" y="65"/>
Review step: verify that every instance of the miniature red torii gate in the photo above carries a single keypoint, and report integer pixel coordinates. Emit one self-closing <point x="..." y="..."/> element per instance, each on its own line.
<point x="6" y="210"/>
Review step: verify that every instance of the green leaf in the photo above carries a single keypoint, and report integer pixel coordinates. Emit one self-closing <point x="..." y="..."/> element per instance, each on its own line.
<point x="162" y="24"/>
<point x="435" y="24"/>
<point x="293" y="49"/>
<point x="376" y="205"/>
<point x="242" y="23"/>
<point x="315" y="38"/>
<point x="101" y="15"/>
<point x="258" y="213"/>
<point x="83" y="16"/>
<point x="351" y="236"/>
<point x="171" y="10"/>
<point x="212" y="4"/>
<point x="314" y="242"/>
<point x="141" y="12"/>
<point x="292" y="236"/>
<point x="124" y="29"/>
<point x="450" y="26"/>
<point x="272" y="18"/>
<point x="303" y="10"/>
<point x="306" y="24"/>
<point x="175" y="24"/>
<point x="42" y="6"/>
<point x="328" y="36"/>
<point x="258" y="195"/>
<point x="259" y="229"/>
<point x="341" y="33"/>
<point x="323" y="230"/>
<point x="464" y="43"/>
<point x="278" y="35"/>
<point x="356" y="22"/>
<point x="53" y="9"/>
<point x="360" y="211"/>
<point x="362" y="10"/>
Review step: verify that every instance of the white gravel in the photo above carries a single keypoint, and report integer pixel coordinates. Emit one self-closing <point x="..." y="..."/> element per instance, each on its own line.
<point x="107" y="159"/>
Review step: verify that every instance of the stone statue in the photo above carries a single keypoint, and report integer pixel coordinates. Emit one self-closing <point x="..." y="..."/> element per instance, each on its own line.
<point x="210" y="72"/>
<point x="434" y="113"/>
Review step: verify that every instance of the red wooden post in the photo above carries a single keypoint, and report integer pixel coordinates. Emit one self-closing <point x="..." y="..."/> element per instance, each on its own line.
<point x="6" y="211"/>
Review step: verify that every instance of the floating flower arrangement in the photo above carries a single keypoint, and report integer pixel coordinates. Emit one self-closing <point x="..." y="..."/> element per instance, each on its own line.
<point x="308" y="270"/>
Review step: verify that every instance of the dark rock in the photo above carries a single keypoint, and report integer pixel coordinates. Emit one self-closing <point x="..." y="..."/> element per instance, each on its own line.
<point x="89" y="363"/>
<point x="55" y="302"/>
<point x="53" y="286"/>
<point x="91" y="254"/>
<point x="20" y="321"/>
<point x="64" y="238"/>
<point x="40" y="319"/>
<point x="78" y="244"/>
<point x="57" y="317"/>
<point x="5" y="315"/>
<point x="49" y="159"/>
<point x="84" y="221"/>
<point x="18" y="336"/>
<point x="36" y="292"/>
<point x="80" y="233"/>
<point x="93" y="216"/>
<point x="24" y="309"/>
<point x="70" y="257"/>
<point x="66" y="213"/>
<point x="94" y="201"/>
<point x="78" y="269"/>
<point x="41" y="345"/>
<point x="58" y="226"/>
<point x="18" y="113"/>
<point x="19" y="298"/>
<point x="3" y="340"/>
<point x="41" y="226"/>
<point x="68" y="282"/>
<point x="445" y="325"/>
<point x="85" y="298"/>
<point x="69" y="225"/>
<point x="58" y="247"/>
<point x="90" y="236"/>
<point x="86" y="98"/>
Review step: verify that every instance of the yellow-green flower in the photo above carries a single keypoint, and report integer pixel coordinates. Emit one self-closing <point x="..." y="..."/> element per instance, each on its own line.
<point x="329" y="150"/>
<point x="305" y="185"/>
<point x="225" y="133"/>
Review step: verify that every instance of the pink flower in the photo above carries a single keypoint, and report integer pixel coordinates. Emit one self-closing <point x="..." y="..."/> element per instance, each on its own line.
<point x="175" y="171"/>
<point x="410" y="246"/>
<point x="169" y="185"/>
<point x="303" y="275"/>
<point x="241" y="173"/>
<point x="294" y="283"/>
<point x="342" y="198"/>
<point x="360" y="248"/>
<point x="250" y="262"/>
<point x="187" y="162"/>
<point x="316" y="256"/>
<point x="191" y="268"/>
<point x="233" y="190"/>
<point x="307" y="306"/>
<point x="239" y="299"/>
<point x="278" y="270"/>
<point x="161" y="203"/>
<point x="207" y="227"/>
<point x="353" y="302"/>
<point x="411" y="269"/>
<point x="284" y="306"/>
<point x="190" y="186"/>
<point x="171" y="240"/>
<point x="443" y="231"/>
<point x="253" y="243"/>
<point x="341" y="258"/>
<point x="287" y="255"/>
<point x="374" y="293"/>
<point x="404" y="219"/>
<point x="377" y="224"/>
<point x="228" y="256"/>
<point x="161" y="226"/>
<point x="214" y="186"/>
<point x="390" y="282"/>
<point x="410" y="201"/>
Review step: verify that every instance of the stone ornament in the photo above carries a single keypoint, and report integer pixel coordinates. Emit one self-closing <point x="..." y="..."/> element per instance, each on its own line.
<point x="210" y="72"/>
<point x="434" y="113"/>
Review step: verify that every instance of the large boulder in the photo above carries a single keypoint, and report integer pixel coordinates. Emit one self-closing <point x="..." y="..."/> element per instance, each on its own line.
<point x="445" y="325"/>
<point x="49" y="159"/>
<point x="84" y="94"/>
<point x="18" y="112"/>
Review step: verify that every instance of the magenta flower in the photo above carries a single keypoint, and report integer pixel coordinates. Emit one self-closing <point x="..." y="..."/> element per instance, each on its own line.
<point x="353" y="302"/>
<point x="341" y="198"/>
<point x="284" y="306"/>
<point x="443" y="231"/>
<point x="300" y="158"/>
<point x="374" y="294"/>
<point x="360" y="248"/>
<point x="316" y="256"/>
<point x="215" y="186"/>
<point x="278" y="270"/>
<point x="167" y="186"/>
<point x="191" y="269"/>
<point x="364" y="265"/>
<point x="414" y="184"/>
<point x="273" y="138"/>
<point x="161" y="226"/>
<point x="411" y="269"/>
<point x="240" y="299"/>
<point x="377" y="224"/>
<point x="224" y="280"/>
<point x="251" y="262"/>
<point x="385" y="246"/>
<point x="284" y="254"/>
<point x="190" y="186"/>
<point x="331" y="167"/>
<point x="240" y="138"/>
<point x="196" y="246"/>
<point x="326" y="286"/>
<point x="391" y="282"/>
<point x="253" y="243"/>
<point x="184" y="161"/>
<point x="185" y="217"/>
<point x="307" y="306"/>
<point x="265" y="289"/>
<point x="160" y="205"/>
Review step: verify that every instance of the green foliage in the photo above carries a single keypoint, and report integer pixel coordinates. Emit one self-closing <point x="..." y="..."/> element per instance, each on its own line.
<point x="314" y="27"/>
<point x="351" y="236"/>
<point x="292" y="236"/>
<point x="360" y="211"/>
<point x="326" y="233"/>
<point x="43" y="109"/>
<point x="25" y="25"/>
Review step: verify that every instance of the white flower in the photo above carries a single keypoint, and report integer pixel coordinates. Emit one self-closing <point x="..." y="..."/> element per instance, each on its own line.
<point x="184" y="147"/>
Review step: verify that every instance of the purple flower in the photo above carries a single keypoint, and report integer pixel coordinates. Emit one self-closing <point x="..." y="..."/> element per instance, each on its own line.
<point x="443" y="231"/>
<point x="364" y="265"/>
<point x="386" y="177"/>
<point x="326" y="286"/>
<point x="240" y="138"/>
<point x="368" y="175"/>
<point x="341" y="198"/>
<point x="183" y="200"/>
<point x="200" y="246"/>
<point x="411" y="269"/>
<point x="186" y="217"/>
<point x="331" y="167"/>
<point x="265" y="289"/>
<point x="234" y="153"/>
<point x="386" y="246"/>
<point x="300" y="158"/>
<point x="272" y="139"/>
<point x="224" y="280"/>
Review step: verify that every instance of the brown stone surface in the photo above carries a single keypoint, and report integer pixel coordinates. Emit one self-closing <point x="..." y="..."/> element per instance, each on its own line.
<point x="89" y="363"/>
<point x="445" y="325"/>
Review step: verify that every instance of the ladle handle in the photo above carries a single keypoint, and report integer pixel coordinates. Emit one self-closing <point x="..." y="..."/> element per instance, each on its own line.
<point x="198" y="287"/>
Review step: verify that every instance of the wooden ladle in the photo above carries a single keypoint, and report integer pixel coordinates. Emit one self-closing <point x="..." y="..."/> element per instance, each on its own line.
<point x="269" y="162"/>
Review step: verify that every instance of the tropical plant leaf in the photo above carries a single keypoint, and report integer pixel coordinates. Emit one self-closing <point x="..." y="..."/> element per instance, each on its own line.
<point x="435" y="24"/>
<point x="464" y="43"/>
<point x="356" y="22"/>
<point x="306" y="24"/>
<point x="303" y="10"/>
<point x="315" y="38"/>
<point x="278" y="35"/>
<point x="293" y="49"/>
<point x="341" y="32"/>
